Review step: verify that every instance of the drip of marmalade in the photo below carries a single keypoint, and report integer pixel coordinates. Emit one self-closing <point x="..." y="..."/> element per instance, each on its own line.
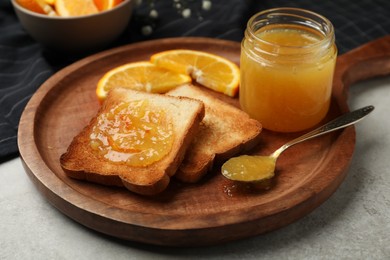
<point x="132" y="133"/>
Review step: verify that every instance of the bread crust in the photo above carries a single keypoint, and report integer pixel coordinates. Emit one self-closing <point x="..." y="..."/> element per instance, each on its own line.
<point x="224" y="132"/>
<point x="80" y="161"/>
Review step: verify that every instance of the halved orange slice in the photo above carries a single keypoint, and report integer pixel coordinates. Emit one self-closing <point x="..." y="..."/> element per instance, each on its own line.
<point x="209" y="70"/>
<point x="142" y="76"/>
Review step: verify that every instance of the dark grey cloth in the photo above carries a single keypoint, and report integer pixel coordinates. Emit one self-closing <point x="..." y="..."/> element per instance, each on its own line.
<point x="25" y="65"/>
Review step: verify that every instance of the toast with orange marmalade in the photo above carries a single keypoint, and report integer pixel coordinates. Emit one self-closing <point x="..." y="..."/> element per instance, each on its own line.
<point x="137" y="140"/>
<point x="224" y="132"/>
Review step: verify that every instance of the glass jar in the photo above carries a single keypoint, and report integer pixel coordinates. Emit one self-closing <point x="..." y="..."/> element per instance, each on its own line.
<point x="287" y="64"/>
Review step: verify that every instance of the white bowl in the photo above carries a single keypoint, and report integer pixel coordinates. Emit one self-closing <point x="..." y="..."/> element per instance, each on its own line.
<point x="79" y="33"/>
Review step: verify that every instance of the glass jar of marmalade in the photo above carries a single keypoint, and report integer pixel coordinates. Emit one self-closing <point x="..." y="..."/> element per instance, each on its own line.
<point x="288" y="58"/>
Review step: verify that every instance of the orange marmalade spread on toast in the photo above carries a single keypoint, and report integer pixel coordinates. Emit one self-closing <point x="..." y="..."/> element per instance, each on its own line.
<point x="132" y="133"/>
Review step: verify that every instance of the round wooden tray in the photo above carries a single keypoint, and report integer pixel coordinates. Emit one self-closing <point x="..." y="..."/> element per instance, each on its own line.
<point x="212" y="211"/>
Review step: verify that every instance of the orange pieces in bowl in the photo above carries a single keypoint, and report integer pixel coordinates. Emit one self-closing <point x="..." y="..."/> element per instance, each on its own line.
<point x="103" y="5"/>
<point x="169" y="69"/>
<point x="32" y="5"/>
<point x="68" y="8"/>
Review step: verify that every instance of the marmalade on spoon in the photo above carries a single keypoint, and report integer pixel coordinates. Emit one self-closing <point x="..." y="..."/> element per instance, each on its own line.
<point x="247" y="168"/>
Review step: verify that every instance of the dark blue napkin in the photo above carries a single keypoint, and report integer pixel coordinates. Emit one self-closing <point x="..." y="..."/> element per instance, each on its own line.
<point x="25" y="65"/>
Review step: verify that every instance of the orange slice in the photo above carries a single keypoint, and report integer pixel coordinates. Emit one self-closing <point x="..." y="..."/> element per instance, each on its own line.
<point x="142" y="76"/>
<point x="38" y="6"/>
<point x="68" y="8"/>
<point x="103" y="5"/>
<point x="50" y="2"/>
<point x="32" y="5"/>
<point x="209" y="70"/>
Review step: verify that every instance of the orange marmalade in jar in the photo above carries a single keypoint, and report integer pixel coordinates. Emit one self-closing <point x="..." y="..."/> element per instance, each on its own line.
<point x="288" y="58"/>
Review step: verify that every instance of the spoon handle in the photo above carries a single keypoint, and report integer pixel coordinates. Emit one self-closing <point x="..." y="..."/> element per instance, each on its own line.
<point x="338" y="123"/>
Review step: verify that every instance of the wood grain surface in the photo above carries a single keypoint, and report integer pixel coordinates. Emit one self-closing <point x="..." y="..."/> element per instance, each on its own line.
<point x="214" y="210"/>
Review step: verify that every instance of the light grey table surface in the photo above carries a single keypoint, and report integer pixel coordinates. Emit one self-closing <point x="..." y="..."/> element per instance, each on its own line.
<point x="354" y="223"/>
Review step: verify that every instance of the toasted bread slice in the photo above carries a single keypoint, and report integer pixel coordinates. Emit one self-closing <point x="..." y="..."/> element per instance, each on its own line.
<point x="81" y="161"/>
<point x="224" y="132"/>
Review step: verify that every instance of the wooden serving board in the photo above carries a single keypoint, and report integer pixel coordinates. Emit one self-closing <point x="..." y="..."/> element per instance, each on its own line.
<point x="212" y="211"/>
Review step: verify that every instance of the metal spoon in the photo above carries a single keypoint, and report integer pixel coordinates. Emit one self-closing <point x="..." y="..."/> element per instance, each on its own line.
<point x="258" y="168"/>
